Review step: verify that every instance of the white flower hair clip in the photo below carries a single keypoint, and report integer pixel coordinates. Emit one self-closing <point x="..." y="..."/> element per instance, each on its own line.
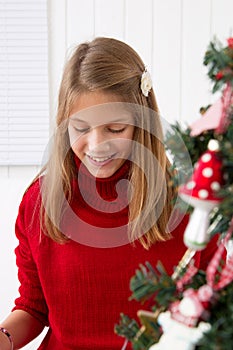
<point x="146" y="82"/>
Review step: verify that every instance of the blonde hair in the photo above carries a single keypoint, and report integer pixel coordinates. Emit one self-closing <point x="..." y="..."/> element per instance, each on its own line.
<point x="109" y="65"/>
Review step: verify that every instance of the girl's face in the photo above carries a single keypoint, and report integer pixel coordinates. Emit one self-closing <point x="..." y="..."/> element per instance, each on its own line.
<point x="101" y="132"/>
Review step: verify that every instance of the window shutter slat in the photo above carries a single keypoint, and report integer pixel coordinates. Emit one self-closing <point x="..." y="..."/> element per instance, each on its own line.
<point x="24" y="104"/>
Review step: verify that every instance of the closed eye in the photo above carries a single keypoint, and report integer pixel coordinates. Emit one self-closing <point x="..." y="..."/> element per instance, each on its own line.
<point x="116" y="131"/>
<point x="82" y="130"/>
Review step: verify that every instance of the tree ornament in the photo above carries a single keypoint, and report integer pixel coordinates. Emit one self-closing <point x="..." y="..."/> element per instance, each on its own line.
<point x="229" y="248"/>
<point x="201" y="192"/>
<point x="230" y="42"/>
<point x="185" y="322"/>
<point x="148" y="321"/>
<point x="219" y="59"/>
<point x="177" y="335"/>
<point x="217" y="116"/>
<point x="194" y="307"/>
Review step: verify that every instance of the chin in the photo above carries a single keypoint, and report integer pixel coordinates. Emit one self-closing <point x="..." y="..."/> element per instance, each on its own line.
<point x="104" y="171"/>
<point x="102" y="174"/>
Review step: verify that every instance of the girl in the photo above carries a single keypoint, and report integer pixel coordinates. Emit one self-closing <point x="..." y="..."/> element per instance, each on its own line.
<point x="99" y="208"/>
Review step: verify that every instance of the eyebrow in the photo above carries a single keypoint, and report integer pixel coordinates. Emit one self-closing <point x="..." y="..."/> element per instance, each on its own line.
<point x="120" y="120"/>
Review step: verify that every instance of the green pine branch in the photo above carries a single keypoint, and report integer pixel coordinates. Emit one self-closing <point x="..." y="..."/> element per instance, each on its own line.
<point x="219" y="60"/>
<point x="220" y="336"/>
<point x="129" y="329"/>
<point x="153" y="286"/>
<point x="152" y="283"/>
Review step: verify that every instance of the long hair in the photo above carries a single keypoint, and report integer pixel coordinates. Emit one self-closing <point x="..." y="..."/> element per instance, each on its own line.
<point x="109" y="65"/>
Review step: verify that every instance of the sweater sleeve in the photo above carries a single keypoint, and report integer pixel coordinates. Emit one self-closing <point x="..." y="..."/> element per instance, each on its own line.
<point x="31" y="298"/>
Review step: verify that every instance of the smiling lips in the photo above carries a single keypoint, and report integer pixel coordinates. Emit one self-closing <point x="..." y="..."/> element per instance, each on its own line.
<point x="99" y="160"/>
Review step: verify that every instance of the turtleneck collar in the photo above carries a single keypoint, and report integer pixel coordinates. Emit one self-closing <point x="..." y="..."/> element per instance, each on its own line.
<point x="100" y="192"/>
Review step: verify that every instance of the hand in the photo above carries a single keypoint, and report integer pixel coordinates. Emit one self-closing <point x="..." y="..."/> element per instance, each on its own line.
<point x="4" y="342"/>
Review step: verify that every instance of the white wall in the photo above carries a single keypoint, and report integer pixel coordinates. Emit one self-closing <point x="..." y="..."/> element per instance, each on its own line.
<point x="13" y="182"/>
<point x="170" y="35"/>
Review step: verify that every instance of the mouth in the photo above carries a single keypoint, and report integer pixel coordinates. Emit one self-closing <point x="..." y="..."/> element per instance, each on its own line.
<point x="100" y="160"/>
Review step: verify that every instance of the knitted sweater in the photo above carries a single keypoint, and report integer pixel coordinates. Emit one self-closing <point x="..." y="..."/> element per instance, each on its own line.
<point x="80" y="288"/>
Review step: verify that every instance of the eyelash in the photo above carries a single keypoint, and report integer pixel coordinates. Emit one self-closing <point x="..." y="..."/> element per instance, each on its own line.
<point x="81" y="130"/>
<point x="114" y="131"/>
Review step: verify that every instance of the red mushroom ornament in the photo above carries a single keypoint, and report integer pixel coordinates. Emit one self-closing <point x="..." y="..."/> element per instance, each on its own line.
<point x="201" y="192"/>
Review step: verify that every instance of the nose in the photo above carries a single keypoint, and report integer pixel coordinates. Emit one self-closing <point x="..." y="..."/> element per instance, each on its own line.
<point x="97" y="141"/>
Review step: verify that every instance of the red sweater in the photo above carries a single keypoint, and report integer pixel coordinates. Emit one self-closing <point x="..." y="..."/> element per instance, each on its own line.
<point x="79" y="290"/>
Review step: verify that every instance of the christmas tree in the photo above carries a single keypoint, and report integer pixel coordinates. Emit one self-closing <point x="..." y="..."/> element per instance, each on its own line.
<point x="193" y="309"/>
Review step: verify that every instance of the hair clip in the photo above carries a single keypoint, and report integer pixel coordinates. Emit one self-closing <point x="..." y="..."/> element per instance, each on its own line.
<point x="146" y="83"/>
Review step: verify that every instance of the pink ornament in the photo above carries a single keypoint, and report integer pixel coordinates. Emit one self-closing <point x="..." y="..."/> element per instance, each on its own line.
<point x="193" y="307"/>
<point x="216" y="117"/>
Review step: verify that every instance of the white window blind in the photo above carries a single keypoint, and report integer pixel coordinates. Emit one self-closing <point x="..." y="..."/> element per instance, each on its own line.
<point x="24" y="104"/>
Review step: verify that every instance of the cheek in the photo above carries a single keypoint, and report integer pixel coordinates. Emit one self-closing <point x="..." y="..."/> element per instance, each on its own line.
<point x="130" y="134"/>
<point x="76" y="142"/>
<point x="124" y="145"/>
<point x="78" y="147"/>
<point x="72" y="136"/>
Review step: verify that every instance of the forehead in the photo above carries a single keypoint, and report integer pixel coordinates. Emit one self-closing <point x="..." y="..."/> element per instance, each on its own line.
<point x="98" y="108"/>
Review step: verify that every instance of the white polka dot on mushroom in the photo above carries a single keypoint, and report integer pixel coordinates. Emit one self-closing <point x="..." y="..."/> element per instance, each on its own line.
<point x="190" y="185"/>
<point x="203" y="194"/>
<point x="206" y="157"/>
<point x="207" y="172"/>
<point x="215" y="186"/>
